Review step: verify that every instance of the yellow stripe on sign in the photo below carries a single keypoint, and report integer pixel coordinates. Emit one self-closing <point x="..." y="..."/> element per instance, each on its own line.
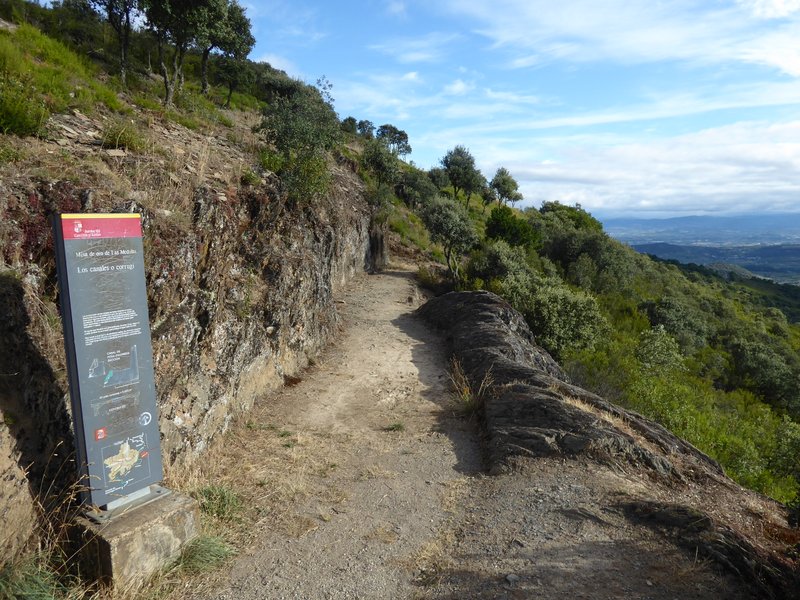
<point x="103" y="216"/>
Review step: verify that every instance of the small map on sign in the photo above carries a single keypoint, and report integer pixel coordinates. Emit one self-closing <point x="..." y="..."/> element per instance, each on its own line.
<point x="121" y="463"/>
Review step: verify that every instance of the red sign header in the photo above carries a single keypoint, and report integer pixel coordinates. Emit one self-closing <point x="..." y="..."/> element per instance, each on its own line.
<point x="101" y="226"/>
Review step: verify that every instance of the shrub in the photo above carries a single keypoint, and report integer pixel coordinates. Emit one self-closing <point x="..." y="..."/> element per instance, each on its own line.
<point x="415" y="188"/>
<point x="470" y="401"/>
<point x="450" y="226"/>
<point x="9" y="154"/>
<point x="562" y="319"/>
<point x="249" y="177"/>
<point x="302" y="128"/>
<point x="21" y="112"/>
<point x="123" y="134"/>
<point x="381" y="162"/>
<point x="503" y="224"/>
<point x="658" y="351"/>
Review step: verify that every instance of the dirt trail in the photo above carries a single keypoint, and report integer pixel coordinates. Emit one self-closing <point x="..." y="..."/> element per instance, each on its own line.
<point x="373" y="488"/>
<point x="387" y="458"/>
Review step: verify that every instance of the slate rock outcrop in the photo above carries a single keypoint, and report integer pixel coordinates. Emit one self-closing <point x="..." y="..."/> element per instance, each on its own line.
<point x="526" y="411"/>
<point x="531" y="409"/>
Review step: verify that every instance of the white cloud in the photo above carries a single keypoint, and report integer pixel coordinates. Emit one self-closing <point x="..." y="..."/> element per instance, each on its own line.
<point x="511" y="97"/>
<point x="426" y="49"/>
<point x="744" y="167"/>
<point x="396" y="8"/>
<point x="772" y="9"/>
<point x="534" y="32"/>
<point x="664" y="106"/>
<point x="280" y="62"/>
<point x="458" y="87"/>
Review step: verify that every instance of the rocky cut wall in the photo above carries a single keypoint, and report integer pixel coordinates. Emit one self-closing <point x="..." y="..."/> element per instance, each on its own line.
<point x="240" y="290"/>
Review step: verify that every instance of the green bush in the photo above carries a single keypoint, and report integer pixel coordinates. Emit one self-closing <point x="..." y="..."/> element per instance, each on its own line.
<point x="505" y="225"/>
<point x="301" y="128"/>
<point x="450" y="226"/>
<point x="123" y="134"/>
<point x="9" y="154"/>
<point x="563" y="319"/>
<point x="21" y="112"/>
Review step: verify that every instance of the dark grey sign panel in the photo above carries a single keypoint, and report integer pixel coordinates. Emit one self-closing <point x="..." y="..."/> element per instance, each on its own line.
<point x="109" y="353"/>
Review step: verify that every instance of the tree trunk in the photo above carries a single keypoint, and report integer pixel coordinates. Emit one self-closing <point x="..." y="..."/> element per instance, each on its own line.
<point x="230" y="93"/>
<point x="123" y="69"/>
<point x="177" y="72"/>
<point x="124" y="45"/>
<point x="204" y="71"/>
<point x="169" y="89"/>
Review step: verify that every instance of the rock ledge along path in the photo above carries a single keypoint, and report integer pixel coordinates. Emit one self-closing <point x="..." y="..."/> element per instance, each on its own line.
<point x="369" y="484"/>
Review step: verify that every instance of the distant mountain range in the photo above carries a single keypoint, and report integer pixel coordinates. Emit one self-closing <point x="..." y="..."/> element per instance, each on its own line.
<point x="741" y="230"/>
<point x="766" y="245"/>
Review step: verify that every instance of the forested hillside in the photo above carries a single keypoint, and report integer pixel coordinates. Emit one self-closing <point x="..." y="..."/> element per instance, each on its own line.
<point x="716" y="361"/>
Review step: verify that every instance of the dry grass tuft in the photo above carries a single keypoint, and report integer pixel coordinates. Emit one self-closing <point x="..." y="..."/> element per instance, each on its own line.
<point x="470" y="402"/>
<point x="385" y="534"/>
<point x="432" y="561"/>
<point x="375" y="472"/>
<point x="617" y="422"/>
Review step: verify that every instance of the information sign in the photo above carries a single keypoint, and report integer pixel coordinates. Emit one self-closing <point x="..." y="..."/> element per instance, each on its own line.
<point x="100" y="266"/>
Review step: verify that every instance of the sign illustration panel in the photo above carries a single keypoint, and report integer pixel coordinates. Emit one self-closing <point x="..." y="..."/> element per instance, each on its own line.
<point x="109" y="354"/>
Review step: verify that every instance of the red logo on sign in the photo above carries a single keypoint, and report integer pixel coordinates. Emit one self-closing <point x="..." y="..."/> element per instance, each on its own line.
<point x="100" y="434"/>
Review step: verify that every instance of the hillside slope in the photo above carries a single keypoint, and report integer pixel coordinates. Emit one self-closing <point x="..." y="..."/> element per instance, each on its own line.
<point x="240" y="283"/>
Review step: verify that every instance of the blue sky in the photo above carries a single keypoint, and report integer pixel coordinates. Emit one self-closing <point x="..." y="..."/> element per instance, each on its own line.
<point x="628" y="107"/>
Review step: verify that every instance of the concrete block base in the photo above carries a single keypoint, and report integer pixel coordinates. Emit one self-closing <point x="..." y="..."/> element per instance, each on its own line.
<point x="131" y="545"/>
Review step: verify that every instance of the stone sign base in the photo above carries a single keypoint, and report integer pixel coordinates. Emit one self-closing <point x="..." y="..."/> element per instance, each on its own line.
<point x="126" y="547"/>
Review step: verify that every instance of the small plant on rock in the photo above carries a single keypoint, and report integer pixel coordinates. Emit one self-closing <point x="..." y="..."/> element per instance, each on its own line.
<point x="470" y="402"/>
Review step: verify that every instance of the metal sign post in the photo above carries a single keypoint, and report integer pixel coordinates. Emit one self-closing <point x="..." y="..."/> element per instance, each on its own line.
<point x="100" y="265"/>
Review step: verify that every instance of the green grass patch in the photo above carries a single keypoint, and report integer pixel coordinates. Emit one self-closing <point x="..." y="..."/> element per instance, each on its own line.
<point x="40" y="76"/>
<point x="253" y="426"/>
<point x="409" y="227"/>
<point x="147" y="102"/>
<point x="396" y="426"/>
<point x="183" y="119"/>
<point x="239" y="100"/>
<point x="35" y="578"/>
<point x="9" y="154"/>
<point x="250" y="178"/>
<point x="219" y="501"/>
<point x="203" y="554"/>
<point x="123" y="134"/>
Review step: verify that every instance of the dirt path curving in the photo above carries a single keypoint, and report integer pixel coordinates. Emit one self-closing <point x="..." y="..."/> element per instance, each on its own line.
<point x="384" y="458"/>
<point x="367" y="482"/>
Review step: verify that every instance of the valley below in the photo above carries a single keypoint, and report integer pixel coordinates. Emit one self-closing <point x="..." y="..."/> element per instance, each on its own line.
<point x="765" y="246"/>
